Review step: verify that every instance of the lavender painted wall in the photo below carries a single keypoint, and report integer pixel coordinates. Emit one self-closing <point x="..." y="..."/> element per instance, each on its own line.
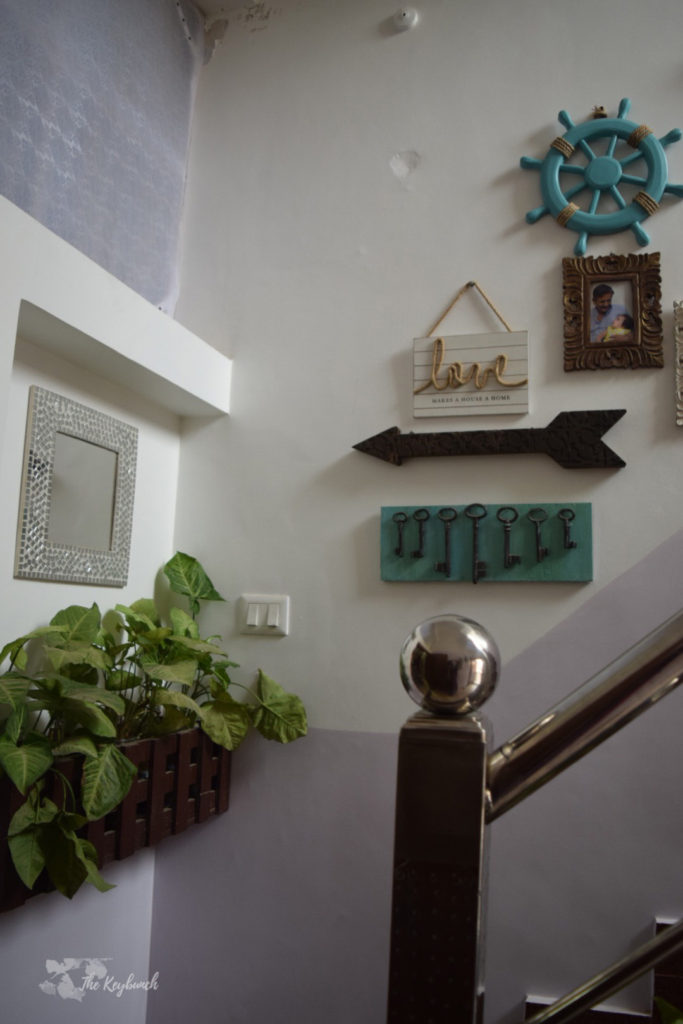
<point x="94" y="127"/>
<point x="280" y="910"/>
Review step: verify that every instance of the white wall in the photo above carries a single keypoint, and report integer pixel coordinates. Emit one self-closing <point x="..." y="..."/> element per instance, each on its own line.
<point x="310" y="262"/>
<point x="41" y="269"/>
<point x="313" y="264"/>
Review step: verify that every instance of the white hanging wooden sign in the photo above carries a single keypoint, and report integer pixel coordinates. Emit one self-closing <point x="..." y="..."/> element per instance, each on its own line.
<point x="471" y="374"/>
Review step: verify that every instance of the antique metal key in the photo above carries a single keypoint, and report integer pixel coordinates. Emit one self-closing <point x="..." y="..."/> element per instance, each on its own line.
<point x="400" y="518"/>
<point x="567" y="515"/>
<point x="538" y="516"/>
<point x="475" y="512"/>
<point x="507" y="515"/>
<point x="447" y="516"/>
<point x="421" y="515"/>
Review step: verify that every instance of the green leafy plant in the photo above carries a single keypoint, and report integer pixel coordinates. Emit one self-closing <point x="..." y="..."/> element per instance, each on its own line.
<point x="668" y="1014"/>
<point x="86" y="682"/>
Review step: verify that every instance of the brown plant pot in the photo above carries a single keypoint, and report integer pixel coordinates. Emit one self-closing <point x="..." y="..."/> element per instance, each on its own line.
<point x="182" y="779"/>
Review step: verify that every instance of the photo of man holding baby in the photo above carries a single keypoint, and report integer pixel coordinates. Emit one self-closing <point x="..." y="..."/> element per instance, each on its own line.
<point x="610" y="321"/>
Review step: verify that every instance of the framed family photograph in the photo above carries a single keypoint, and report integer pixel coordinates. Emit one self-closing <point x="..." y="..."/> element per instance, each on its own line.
<point x="612" y="312"/>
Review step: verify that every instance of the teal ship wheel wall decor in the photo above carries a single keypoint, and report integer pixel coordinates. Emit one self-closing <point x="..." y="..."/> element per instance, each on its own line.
<point x="626" y="199"/>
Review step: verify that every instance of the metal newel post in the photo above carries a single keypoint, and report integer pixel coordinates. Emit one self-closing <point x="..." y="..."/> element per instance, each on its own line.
<point x="450" y="666"/>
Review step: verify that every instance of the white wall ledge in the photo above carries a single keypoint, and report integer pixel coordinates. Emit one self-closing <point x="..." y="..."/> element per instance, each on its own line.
<point x="57" y="298"/>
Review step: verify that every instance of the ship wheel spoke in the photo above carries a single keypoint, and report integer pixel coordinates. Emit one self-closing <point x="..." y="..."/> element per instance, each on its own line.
<point x="587" y="149"/>
<point x="617" y="197"/>
<point x="572" y="169"/>
<point x="575" y="191"/>
<point x="612" y="145"/>
<point x="594" y="201"/>
<point x="633" y="179"/>
<point x="631" y="158"/>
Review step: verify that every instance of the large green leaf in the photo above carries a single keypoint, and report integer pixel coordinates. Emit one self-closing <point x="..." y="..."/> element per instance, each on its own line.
<point x="198" y="646"/>
<point x="13" y="690"/>
<point x="26" y="763"/>
<point x="79" y="624"/>
<point x="280" y="715"/>
<point x="13" y="650"/>
<point x="64" y="859"/>
<point x="179" y="672"/>
<point x="146" y="606"/>
<point x="121" y="679"/>
<point x="138" y="622"/>
<point x="183" y="624"/>
<point x="78" y="654"/>
<point x="186" y="576"/>
<point x="669" y="1014"/>
<point x="36" y="810"/>
<point x="92" y="695"/>
<point x="225" y="721"/>
<point x="24" y="836"/>
<point x="27" y="854"/>
<point x="156" y="636"/>
<point x="16" y="653"/>
<point x="89" y="854"/>
<point x="76" y="745"/>
<point x="89" y="716"/>
<point x="172" y="720"/>
<point x="106" y="780"/>
<point x="220" y="674"/>
<point x="15" y="723"/>
<point x="174" y="698"/>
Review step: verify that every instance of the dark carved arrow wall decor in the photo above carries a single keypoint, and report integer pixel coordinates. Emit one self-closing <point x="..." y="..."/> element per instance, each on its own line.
<point x="572" y="439"/>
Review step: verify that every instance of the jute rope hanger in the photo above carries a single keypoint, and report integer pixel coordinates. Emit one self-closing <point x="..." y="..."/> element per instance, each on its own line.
<point x="465" y="287"/>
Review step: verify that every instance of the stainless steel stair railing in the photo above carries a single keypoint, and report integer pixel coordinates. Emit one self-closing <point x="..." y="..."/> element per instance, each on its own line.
<point x="614" y="978"/>
<point x="449" y="788"/>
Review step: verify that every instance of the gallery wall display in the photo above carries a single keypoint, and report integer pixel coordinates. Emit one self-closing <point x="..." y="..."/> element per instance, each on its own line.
<point x="612" y="312"/>
<point x="77" y="492"/>
<point x="603" y="176"/>
<point x="572" y="439"/>
<point x="541" y="542"/>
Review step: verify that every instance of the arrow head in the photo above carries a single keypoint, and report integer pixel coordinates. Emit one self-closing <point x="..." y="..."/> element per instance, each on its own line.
<point x="383" y="446"/>
<point x="573" y="439"/>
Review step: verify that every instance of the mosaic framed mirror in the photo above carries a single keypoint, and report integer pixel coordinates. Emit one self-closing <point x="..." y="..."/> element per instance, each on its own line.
<point x="77" y="493"/>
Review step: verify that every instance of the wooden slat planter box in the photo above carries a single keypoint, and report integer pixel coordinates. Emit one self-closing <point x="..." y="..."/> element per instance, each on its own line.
<point x="182" y="779"/>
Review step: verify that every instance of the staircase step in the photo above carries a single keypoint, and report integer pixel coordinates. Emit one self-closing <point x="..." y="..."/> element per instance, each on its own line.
<point x="595" y="1016"/>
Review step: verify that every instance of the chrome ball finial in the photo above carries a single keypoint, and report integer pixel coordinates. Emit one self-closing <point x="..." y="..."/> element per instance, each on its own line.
<point x="450" y="665"/>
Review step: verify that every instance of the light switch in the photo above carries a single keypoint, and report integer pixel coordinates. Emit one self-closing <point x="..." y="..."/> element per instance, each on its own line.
<point x="263" y="614"/>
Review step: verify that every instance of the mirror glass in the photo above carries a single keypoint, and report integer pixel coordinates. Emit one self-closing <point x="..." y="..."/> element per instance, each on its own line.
<point x="78" y="485"/>
<point x="82" y="516"/>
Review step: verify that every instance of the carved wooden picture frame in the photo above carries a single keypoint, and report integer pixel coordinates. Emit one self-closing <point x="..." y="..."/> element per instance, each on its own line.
<point x="612" y="312"/>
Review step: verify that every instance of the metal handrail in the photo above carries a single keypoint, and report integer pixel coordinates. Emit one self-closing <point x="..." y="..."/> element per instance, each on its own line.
<point x="614" y="978"/>
<point x="436" y="961"/>
<point x="615" y="696"/>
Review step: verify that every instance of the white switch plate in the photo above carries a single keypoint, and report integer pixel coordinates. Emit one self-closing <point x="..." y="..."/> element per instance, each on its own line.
<point x="263" y="614"/>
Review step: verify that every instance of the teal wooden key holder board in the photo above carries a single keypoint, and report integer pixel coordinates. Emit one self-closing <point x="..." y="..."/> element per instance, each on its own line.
<point x="541" y="542"/>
